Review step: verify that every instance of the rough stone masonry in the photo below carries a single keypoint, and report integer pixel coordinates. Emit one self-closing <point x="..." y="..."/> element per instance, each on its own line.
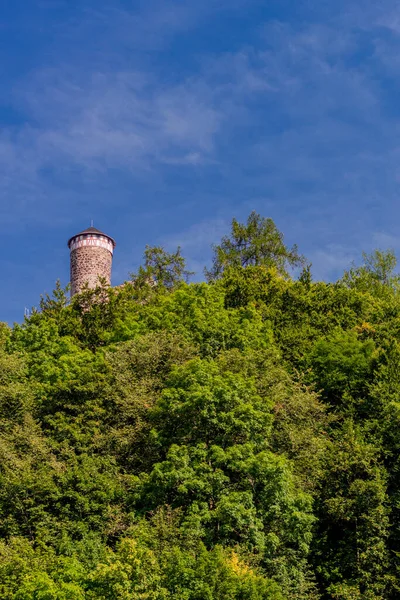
<point x="90" y="259"/>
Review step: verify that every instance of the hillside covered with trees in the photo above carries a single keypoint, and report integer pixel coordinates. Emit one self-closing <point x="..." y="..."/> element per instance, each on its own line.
<point x="235" y="439"/>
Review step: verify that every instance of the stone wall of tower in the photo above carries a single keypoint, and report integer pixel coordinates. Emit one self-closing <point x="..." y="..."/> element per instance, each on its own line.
<point x="88" y="263"/>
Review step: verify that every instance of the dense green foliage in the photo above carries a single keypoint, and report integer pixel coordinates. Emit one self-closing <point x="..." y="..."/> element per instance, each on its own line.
<point x="231" y="440"/>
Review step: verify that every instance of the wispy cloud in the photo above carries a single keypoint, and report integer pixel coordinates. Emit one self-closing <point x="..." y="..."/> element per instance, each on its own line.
<point x="81" y="126"/>
<point x="196" y="242"/>
<point x="296" y="117"/>
<point x="331" y="262"/>
<point x="115" y="119"/>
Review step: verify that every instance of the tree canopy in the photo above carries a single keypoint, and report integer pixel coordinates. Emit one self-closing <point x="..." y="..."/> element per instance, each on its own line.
<point x="258" y="242"/>
<point x="231" y="440"/>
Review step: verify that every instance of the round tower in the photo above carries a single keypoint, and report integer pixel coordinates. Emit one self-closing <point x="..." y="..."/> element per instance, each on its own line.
<point x="91" y="258"/>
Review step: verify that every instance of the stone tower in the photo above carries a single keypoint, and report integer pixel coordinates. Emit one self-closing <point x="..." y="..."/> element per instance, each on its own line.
<point x="91" y="258"/>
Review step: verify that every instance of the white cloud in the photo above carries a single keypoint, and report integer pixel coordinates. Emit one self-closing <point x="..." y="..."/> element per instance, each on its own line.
<point x="329" y="263"/>
<point x="109" y="119"/>
<point x="296" y="117"/>
<point x="88" y="123"/>
<point x="386" y="241"/>
<point x="196" y="242"/>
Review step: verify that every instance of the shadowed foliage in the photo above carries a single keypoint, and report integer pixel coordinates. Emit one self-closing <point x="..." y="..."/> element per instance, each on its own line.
<point x="230" y="440"/>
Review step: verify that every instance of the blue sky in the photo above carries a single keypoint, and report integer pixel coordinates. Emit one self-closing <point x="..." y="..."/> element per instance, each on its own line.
<point x="163" y="119"/>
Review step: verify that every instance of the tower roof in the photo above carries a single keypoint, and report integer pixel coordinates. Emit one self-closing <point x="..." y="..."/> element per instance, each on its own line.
<point x="92" y="231"/>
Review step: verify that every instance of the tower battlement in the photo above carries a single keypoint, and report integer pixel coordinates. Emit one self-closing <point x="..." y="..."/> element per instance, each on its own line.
<point x="91" y="254"/>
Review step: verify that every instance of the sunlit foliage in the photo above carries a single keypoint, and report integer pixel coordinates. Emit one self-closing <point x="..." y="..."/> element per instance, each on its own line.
<point x="231" y="440"/>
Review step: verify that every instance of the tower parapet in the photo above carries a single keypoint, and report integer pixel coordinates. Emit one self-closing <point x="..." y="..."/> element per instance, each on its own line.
<point x="90" y="259"/>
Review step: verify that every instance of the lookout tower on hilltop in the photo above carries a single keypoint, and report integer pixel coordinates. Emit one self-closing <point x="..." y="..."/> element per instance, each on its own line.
<point x="91" y="258"/>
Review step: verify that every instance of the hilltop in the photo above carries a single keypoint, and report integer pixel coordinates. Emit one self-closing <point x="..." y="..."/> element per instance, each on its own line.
<point x="232" y="439"/>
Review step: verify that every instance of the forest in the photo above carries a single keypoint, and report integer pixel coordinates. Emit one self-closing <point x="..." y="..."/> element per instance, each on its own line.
<point x="235" y="438"/>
